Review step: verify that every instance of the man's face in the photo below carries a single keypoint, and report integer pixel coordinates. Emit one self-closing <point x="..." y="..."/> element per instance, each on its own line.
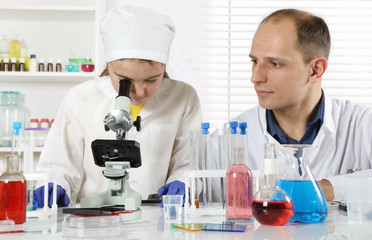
<point x="279" y="73"/>
<point x="146" y="78"/>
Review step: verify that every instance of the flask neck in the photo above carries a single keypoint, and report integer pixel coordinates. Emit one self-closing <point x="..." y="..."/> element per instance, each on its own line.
<point x="239" y="155"/>
<point x="13" y="164"/>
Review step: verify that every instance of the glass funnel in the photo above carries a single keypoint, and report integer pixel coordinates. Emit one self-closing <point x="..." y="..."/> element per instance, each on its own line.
<point x="309" y="204"/>
<point x="272" y="205"/>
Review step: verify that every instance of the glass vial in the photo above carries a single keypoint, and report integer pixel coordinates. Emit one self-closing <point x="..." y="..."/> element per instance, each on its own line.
<point x="309" y="204"/>
<point x="41" y="66"/>
<point x="5" y="66"/>
<point x="59" y="65"/>
<point x="50" y="67"/>
<point x="13" y="64"/>
<point x="272" y="205"/>
<point x="22" y="66"/>
<point x="13" y="192"/>
<point x="239" y="190"/>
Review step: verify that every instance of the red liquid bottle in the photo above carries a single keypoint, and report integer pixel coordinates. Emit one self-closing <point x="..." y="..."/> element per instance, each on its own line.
<point x="13" y="192"/>
<point x="272" y="205"/>
<point x="239" y="190"/>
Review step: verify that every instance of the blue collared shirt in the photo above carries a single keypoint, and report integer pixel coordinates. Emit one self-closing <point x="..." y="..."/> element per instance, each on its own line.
<point x="312" y="128"/>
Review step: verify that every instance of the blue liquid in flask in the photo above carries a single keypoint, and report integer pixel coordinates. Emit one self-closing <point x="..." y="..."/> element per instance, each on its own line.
<point x="309" y="204"/>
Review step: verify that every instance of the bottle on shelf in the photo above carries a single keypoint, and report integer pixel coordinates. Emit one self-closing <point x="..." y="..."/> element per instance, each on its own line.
<point x="13" y="64"/>
<point x="239" y="189"/>
<point x="4" y="47"/>
<point x="41" y="66"/>
<point x="22" y="66"/>
<point x="5" y="66"/>
<point x="15" y="48"/>
<point x="44" y="123"/>
<point x="33" y="63"/>
<point x="59" y="65"/>
<point x="50" y="67"/>
<point x="34" y="123"/>
<point x="24" y="54"/>
<point x="13" y="192"/>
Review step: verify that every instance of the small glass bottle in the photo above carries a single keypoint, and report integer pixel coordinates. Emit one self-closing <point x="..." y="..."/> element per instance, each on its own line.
<point x="34" y="123"/>
<point x="272" y="205"/>
<point x="50" y="67"/>
<point x="239" y="190"/>
<point x="21" y="66"/>
<point x="44" y="123"/>
<point x="13" y="64"/>
<point x="6" y="64"/>
<point x="13" y="192"/>
<point x="59" y="65"/>
<point x="41" y="66"/>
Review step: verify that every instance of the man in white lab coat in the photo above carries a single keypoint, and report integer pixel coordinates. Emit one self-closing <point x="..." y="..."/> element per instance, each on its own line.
<point x="289" y="56"/>
<point x="136" y="42"/>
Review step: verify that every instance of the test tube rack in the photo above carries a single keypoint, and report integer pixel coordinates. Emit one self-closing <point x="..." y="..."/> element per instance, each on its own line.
<point x="191" y="178"/>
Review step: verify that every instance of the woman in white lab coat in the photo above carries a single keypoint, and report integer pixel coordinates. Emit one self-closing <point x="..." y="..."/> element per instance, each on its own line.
<point x="136" y="43"/>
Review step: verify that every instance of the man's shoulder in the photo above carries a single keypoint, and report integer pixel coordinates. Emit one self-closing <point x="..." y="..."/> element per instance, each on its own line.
<point x="251" y="113"/>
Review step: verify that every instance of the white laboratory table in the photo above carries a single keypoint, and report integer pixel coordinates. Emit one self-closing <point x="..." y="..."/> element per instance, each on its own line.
<point x="152" y="226"/>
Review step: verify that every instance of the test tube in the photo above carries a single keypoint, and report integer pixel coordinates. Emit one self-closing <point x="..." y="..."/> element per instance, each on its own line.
<point x="194" y="138"/>
<point x="223" y="158"/>
<point x="205" y="148"/>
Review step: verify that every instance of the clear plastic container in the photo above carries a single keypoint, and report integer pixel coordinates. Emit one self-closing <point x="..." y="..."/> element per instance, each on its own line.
<point x="11" y="111"/>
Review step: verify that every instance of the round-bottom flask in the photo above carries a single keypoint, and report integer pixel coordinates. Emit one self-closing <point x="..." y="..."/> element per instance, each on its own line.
<point x="272" y="205"/>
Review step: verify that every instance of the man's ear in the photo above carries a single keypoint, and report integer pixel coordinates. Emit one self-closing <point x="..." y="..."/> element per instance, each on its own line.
<point x="318" y="67"/>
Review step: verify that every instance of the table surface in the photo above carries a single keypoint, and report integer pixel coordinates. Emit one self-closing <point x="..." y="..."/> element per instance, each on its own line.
<point x="151" y="225"/>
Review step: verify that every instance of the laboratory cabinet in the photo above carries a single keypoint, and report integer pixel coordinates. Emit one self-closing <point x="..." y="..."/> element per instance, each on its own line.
<point x="56" y="29"/>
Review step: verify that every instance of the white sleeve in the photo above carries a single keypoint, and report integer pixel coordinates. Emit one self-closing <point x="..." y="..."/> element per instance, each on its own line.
<point x="339" y="183"/>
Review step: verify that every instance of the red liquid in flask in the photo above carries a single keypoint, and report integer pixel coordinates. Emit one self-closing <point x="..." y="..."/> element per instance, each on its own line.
<point x="275" y="213"/>
<point x="13" y="197"/>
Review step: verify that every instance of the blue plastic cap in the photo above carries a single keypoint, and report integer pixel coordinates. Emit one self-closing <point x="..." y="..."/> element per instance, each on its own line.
<point x="234" y="126"/>
<point x="243" y="127"/>
<point x="16" y="126"/>
<point x="205" y="127"/>
<point x="32" y="56"/>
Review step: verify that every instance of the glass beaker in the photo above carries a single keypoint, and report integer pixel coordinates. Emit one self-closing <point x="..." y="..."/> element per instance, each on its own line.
<point x="272" y="205"/>
<point x="309" y="204"/>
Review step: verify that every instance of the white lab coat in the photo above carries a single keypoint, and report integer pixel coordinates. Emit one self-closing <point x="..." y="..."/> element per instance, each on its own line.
<point x="344" y="141"/>
<point x="167" y="118"/>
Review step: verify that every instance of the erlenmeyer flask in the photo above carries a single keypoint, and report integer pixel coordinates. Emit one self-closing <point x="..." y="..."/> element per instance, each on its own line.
<point x="309" y="204"/>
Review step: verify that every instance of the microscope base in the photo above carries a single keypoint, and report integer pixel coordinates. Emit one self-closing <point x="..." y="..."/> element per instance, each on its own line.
<point x="131" y="200"/>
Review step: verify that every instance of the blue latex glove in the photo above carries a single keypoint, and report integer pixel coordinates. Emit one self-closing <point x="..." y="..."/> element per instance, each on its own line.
<point x="63" y="199"/>
<point x="172" y="188"/>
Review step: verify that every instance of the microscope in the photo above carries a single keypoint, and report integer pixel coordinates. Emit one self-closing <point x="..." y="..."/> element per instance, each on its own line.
<point x="117" y="156"/>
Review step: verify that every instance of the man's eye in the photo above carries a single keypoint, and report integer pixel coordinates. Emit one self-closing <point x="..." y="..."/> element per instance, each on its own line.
<point x="253" y="61"/>
<point x="275" y="64"/>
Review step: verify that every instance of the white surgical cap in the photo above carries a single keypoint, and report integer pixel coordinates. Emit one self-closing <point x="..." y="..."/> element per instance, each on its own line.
<point x="134" y="32"/>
